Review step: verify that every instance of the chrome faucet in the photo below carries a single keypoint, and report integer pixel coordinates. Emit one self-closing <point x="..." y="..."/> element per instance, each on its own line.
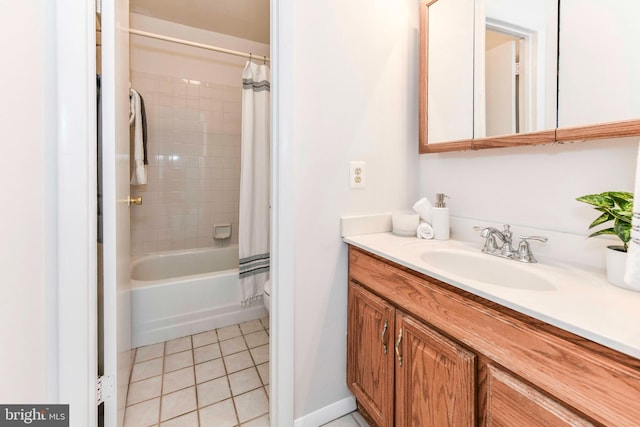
<point x="524" y="253"/>
<point x="504" y="248"/>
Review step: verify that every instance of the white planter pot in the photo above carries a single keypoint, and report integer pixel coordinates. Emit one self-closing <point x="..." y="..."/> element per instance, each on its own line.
<point x="616" y="267"/>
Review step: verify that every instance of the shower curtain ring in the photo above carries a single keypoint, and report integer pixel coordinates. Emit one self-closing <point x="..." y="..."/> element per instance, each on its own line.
<point x="265" y="60"/>
<point x="250" y="57"/>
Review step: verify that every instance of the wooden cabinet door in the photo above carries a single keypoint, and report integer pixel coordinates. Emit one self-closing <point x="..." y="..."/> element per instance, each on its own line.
<point x="511" y="402"/>
<point x="370" y="328"/>
<point x="435" y="378"/>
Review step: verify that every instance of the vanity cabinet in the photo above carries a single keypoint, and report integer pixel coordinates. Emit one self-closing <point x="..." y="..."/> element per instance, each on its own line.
<point x="430" y="378"/>
<point x="370" y="353"/>
<point x="512" y="402"/>
<point x="462" y="360"/>
<point x="435" y="377"/>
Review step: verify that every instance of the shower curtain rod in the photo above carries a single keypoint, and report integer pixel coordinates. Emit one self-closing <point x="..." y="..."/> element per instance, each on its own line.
<point x="200" y="45"/>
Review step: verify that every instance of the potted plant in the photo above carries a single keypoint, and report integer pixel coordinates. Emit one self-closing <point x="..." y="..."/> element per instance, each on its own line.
<point x="616" y="206"/>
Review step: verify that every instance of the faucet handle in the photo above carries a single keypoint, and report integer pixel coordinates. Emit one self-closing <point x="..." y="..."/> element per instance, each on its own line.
<point x="538" y="238"/>
<point x="489" y="244"/>
<point x="484" y="231"/>
<point x="524" y="253"/>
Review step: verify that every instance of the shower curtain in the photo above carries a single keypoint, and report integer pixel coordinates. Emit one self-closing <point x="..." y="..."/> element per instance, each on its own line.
<point x="255" y="177"/>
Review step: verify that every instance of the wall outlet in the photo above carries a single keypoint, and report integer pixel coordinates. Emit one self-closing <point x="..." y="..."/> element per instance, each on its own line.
<point x="356" y="175"/>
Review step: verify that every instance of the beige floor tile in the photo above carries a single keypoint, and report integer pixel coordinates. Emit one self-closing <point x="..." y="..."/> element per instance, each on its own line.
<point x="209" y="370"/>
<point x="186" y="420"/>
<point x="243" y="381"/>
<point x="204" y="338"/>
<point x="204" y="359"/>
<point x="177" y="345"/>
<point x="142" y="414"/>
<point x="263" y="371"/>
<point x="149" y="352"/>
<point x="251" y="405"/>
<point x="238" y="361"/>
<point x="177" y="380"/>
<point x="207" y="352"/>
<point x="346" y="421"/>
<point x="178" y="403"/>
<point x="233" y="345"/>
<point x="260" y="354"/>
<point x="213" y="391"/>
<point x="144" y="390"/>
<point x="147" y="369"/>
<point x="251" y="326"/>
<point x="256" y="339"/>
<point x="265" y="321"/>
<point x="228" y="332"/>
<point x="221" y="414"/>
<point x="262" y="421"/>
<point x="177" y="361"/>
<point x="361" y="421"/>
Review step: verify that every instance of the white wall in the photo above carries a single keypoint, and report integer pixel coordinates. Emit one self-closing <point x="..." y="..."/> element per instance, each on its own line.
<point x="24" y="29"/>
<point x="354" y="98"/>
<point x="531" y="186"/>
<point x="153" y="56"/>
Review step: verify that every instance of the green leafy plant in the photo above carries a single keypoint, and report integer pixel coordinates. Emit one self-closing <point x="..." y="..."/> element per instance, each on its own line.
<point x="616" y="206"/>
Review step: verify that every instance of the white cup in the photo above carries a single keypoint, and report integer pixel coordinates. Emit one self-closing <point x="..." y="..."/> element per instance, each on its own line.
<point x="423" y="208"/>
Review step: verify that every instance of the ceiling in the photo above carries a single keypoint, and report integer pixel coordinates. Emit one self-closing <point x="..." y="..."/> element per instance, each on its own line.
<point x="247" y="19"/>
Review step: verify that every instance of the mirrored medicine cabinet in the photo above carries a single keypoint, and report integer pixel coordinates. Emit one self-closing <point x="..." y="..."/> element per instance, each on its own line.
<point x="499" y="73"/>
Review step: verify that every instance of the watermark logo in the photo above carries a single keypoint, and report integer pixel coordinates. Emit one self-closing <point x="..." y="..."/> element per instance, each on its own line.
<point x="34" y="415"/>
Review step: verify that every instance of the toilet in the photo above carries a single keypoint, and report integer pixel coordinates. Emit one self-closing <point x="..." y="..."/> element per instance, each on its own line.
<point x="266" y="298"/>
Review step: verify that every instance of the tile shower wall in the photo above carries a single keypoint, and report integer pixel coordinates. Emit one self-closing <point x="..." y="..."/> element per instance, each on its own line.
<point x="194" y="163"/>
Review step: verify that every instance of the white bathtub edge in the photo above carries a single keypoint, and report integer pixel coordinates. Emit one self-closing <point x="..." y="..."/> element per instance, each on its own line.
<point x="194" y="323"/>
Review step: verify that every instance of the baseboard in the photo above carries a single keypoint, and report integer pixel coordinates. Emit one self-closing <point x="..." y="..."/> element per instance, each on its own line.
<point x="328" y="413"/>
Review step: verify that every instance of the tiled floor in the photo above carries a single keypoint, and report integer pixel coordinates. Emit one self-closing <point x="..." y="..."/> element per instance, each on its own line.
<point x="353" y="419"/>
<point x="218" y="378"/>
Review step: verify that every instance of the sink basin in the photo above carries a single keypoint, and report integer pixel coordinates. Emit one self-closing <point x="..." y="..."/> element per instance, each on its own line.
<point x="491" y="270"/>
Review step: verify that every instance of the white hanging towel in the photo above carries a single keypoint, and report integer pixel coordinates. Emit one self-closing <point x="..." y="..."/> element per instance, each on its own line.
<point x="139" y="175"/>
<point x="255" y="176"/>
<point x="632" y="274"/>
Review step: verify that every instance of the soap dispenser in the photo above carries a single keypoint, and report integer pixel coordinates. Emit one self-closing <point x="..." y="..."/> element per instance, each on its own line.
<point x="440" y="213"/>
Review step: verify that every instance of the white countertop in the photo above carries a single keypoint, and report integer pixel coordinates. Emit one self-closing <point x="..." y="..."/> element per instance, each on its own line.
<point x="583" y="302"/>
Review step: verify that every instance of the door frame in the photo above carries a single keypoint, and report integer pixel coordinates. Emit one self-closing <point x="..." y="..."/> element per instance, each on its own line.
<point x="74" y="299"/>
<point x="282" y="348"/>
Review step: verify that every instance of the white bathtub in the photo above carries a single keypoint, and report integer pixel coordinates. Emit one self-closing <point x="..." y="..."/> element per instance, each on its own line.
<point x="180" y="293"/>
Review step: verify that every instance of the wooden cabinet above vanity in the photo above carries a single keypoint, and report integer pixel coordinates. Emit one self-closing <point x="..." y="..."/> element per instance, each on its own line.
<point x="423" y="353"/>
<point x="523" y="72"/>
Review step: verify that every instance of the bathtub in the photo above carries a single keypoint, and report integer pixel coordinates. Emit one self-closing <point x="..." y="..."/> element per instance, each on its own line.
<point x="180" y="293"/>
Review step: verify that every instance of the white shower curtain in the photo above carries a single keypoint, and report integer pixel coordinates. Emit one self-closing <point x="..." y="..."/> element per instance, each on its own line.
<point x="255" y="176"/>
